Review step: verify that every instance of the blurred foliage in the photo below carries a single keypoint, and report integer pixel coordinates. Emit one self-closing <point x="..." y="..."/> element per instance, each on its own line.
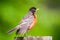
<point x="53" y="3"/>
<point x="12" y="11"/>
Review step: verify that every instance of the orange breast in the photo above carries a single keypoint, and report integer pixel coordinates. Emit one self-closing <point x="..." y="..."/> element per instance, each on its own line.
<point x="34" y="22"/>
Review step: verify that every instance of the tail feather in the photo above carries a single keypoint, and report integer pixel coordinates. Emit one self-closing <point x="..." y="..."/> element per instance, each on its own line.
<point x="12" y="30"/>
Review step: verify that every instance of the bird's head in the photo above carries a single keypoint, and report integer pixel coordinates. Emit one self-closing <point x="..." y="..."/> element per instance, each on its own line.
<point x="32" y="9"/>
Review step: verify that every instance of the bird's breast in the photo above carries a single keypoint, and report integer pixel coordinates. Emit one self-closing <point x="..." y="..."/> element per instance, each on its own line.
<point x="34" y="22"/>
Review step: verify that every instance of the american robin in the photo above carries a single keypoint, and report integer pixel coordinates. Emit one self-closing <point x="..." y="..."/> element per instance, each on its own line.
<point x="27" y="23"/>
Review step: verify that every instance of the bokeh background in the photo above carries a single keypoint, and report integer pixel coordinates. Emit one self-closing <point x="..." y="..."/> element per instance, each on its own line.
<point x="48" y="17"/>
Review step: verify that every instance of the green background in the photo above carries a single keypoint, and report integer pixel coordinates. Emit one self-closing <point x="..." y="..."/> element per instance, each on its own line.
<point x="12" y="11"/>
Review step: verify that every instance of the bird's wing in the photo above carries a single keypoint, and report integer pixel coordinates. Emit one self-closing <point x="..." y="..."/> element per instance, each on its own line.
<point x="25" y="23"/>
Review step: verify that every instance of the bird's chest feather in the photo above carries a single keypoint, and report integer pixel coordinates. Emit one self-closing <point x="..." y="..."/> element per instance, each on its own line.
<point x="34" y="22"/>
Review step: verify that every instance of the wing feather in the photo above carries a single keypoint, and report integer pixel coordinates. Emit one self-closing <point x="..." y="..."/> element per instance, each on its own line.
<point x="25" y="23"/>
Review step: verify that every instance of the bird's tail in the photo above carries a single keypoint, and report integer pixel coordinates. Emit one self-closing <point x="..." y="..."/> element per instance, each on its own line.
<point x="10" y="31"/>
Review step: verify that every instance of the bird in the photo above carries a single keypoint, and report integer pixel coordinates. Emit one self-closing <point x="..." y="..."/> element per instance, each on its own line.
<point x="27" y="22"/>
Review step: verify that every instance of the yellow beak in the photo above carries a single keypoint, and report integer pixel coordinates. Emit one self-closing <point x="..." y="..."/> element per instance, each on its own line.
<point x="37" y="9"/>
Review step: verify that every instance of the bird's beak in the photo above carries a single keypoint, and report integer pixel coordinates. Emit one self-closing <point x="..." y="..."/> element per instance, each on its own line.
<point x="37" y="9"/>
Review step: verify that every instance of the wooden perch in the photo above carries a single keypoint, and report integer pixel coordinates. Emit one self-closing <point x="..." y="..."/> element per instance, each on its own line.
<point x="34" y="38"/>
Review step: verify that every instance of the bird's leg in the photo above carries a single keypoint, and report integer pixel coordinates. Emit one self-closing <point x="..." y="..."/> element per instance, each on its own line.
<point x="25" y="35"/>
<point x="17" y="35"/>
<point x="28" y="33"/>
